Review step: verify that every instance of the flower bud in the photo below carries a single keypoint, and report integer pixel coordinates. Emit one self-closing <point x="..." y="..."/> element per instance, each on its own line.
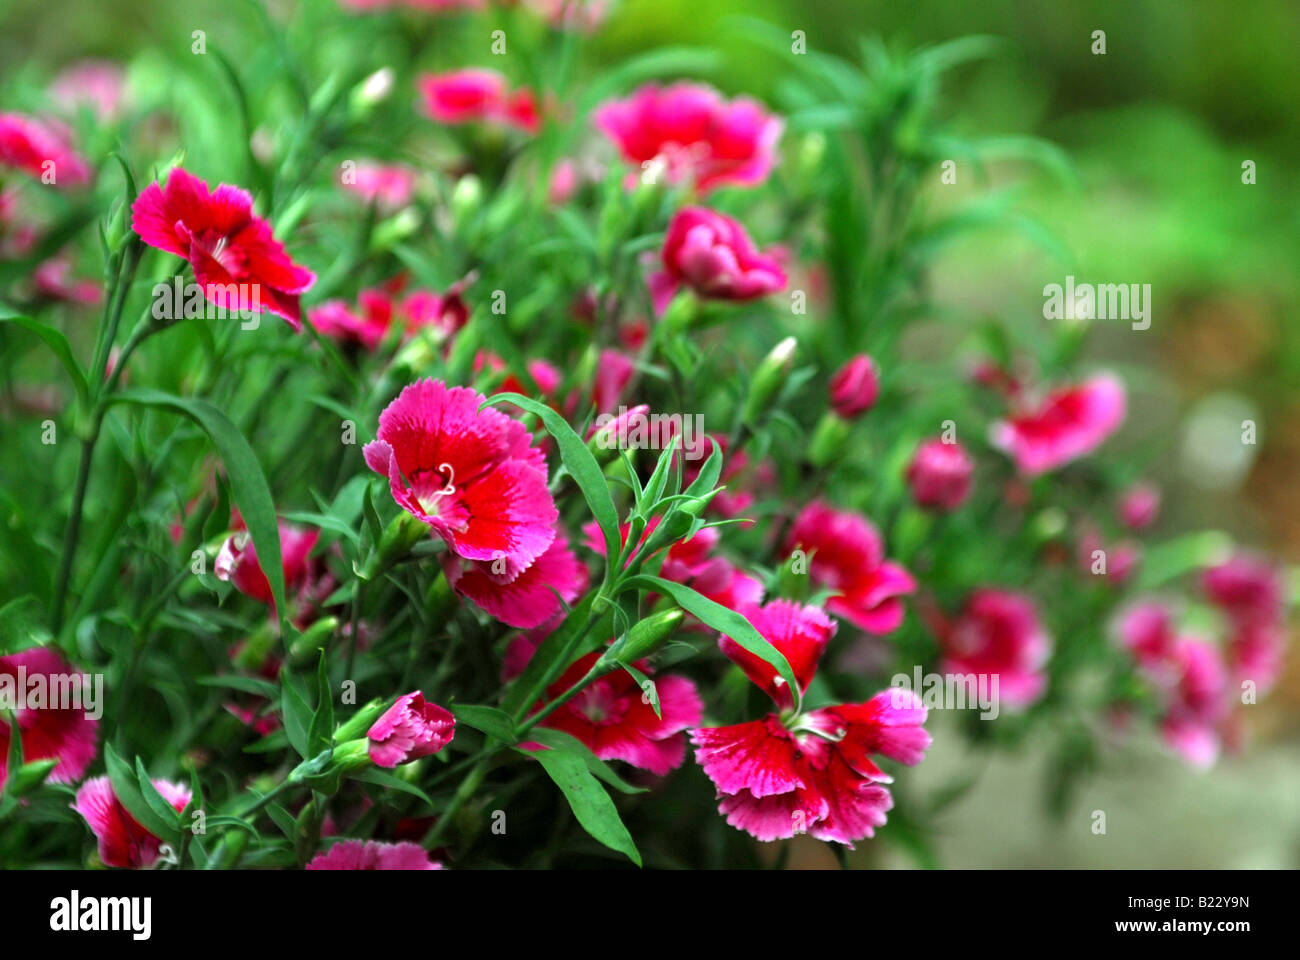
<point x="855" y="386"/>
<point x="768" y="378"/>
<point x="648" y="635"/>
<point x="402" y="533"/>
<point x="940" y="474"/>
<point x="828" y="440"/>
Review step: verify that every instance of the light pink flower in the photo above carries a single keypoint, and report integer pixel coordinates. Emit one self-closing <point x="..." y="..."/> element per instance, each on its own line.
<point x="693" y="131"/>
<point x="470" y="474"/>
<point x="122" y="841"/>
<point x="940" y="474"/>
<point x="100" y="84"/>
<point x="1139" y="506"/>
<point x="713" y="255"/>
<point x="388" y="186"/>
<point x="229" y="248"/>
<point x="408" y="730"/>
<point x="373" y="855"/>
<point x="847" y="555"/>
<point x="1197" y="703"/>
<point x="50" y="732"/>
<point x="1066" y="424"/>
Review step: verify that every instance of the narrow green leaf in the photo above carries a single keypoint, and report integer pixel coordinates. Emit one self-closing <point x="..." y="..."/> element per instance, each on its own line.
<point x="57" y="342"/>
<point x="495" y="723"/>
<point x="126" y="788"/>
<point x="588" y="800"/>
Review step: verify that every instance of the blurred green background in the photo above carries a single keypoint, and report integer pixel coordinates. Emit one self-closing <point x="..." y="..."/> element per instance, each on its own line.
<point x="1158" y="127"/>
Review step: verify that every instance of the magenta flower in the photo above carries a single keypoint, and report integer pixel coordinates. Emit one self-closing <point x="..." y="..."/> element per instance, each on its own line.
<point x="410" y="729"/>
<point x="41" y="148"/>
<point x="855" y="386"/>
<point x="1245" y="587"/>
<point x="1067" y="424"/>
<point x="237" y="560"/>
<point x="1197" y="703"/>
<point x="940" y="474"/>
<point x="848" y="556"/>
<point x="713" y="255"/>
<point x="695" y="133"/>
<point x="1147" y="631"/>
<point x="616" y="720"/>
<point x="470" y="474"/>
<point x="367" y="328"/>
<point x="47" y="731"/>
<point x="998" y="633"/>
<point x="373" y="855"/>
<point x="812" y="772"/>
<point x="525" y="600"/>
<point x="231" y="250"/>
<point x="477" y="96"/>
<point x="122" y="841"/>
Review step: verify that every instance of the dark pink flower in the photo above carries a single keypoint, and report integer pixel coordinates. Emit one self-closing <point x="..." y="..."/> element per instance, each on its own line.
<point x="1116" y="562"/>
<point x="408" y="730"/>
<point x="613" y="373"/>
<point x="47" y="731"/>
<point x="237" y="560"/>
<point x="477" y="96"/>
<point x="713" y="255"/>
<point x="616" y="719"/>
<point x="855" y="386"/>
<point x="1246" y="588"/>
<point x="804" y="633"/>
<point x="812" y="772"/>
<point x="445" y="313"/>
<point x="1067" y="424"/>
<point x="122" y="841"/>
<point x="1197" y="703"/>
<point x="848" y="556"/>
<point x="525" y="600"/>
<point x="373" y="855"/>
<point x="696" y="134"/>
<point x="1139" y="506"/>
<point x="1256" y="650"/>
<point x="231" y="250"/>
<point x="1147" y="630"/>
<point x="42" y="149"/>
<point x="998" y="633"/>
<point x="940" y="474"/>
<point x="336" y="320"/>
<point x="470" y="474"/>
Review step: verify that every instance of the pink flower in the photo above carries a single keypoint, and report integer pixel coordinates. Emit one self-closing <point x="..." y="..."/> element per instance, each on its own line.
<point x="408" y="730"/>
<point x="445" y="313"/>
<point x="237" y="560"/>
<point x="584" y="15"/>
<point x="1147" y="630"/>
<point x="477" y="96"/>
<point x="940" y="474"/>
<point x="711" y="253"/>
<point x="616" y="719"/>
<point x="42" y="149"/>
<point x="848" y="556"/>
<point x="230" y="248"/>
<point x="855" y="386"/>
<point x="1256" y="649"/>
<point x="47" y="731"/>
<point x="613" y="373"/>
<point x="100" y="84"/>
<point x="470" y="474"/>
<point x="998" y="633"/>
<point x="1139" y="506"/>
<point x="695" y="133"/>
<point x="1246" y="587"/>
<point x="526" y="599"/>
<point x="388" y="186"/>
<point x="53" y="278"/>
<point x="812" y="772"/>
<point x="336" y="320"/>
<point x="1067" y="424"/>
<point x="1116" y="562"/>
<point x="122" y="841"/>
<point x="431" y="6"/>
<point x="373" y="855"/>
<point x="1197" y="703"/>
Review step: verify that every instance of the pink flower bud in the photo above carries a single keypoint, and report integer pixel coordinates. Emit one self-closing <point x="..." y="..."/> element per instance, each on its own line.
<point x="940" y="474"/>
<point x="855" y="386"/>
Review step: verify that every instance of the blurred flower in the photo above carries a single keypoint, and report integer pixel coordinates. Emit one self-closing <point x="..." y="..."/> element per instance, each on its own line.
<point x="848" y="556"/>
<point x="41" y="148"/>
<point x="228" y="246"/>
<point x="100" y="84"/>
<point x="712" y="255"/>
<point x="940" y="474"/>
<point x="1197" y="704"/>
<point x="1067" y="424"/>
<point x="1147" y="630"/>
<point x="373" y="855"/>
<point x="998" y="633"/>
<point x="408" y="730"/>
<point x="855" y="386"/>
<point x="694" y="133"/>
<point x="477" y="96"/>
<point x="388" y="186"/>
<point x="122" y="841"/>
<point x="1139" y="506"/>
<point x="1246" y="587"/>
<point x="52" y="278"/>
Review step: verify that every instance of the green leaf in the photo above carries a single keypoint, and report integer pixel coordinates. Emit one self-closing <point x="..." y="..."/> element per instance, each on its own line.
<point x="157" y="803"/>
<point x="321" y="733"/>
<point x="723" y="620"/>
<point x="20" y="624"/>
<point x="297" y="712"/>
<point x="581" y="465"/>
<point x="647" y="686"/>
<point x="261" y="688"/>
<point x="247" y="481"/>
<point x="381" y="779"/>
<point x="495" y="723"/>
<point x="587" y="799"/>
<point x="559" y="740"/>
<point x="57" y="342"/>
<point x="126" y="788"/>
